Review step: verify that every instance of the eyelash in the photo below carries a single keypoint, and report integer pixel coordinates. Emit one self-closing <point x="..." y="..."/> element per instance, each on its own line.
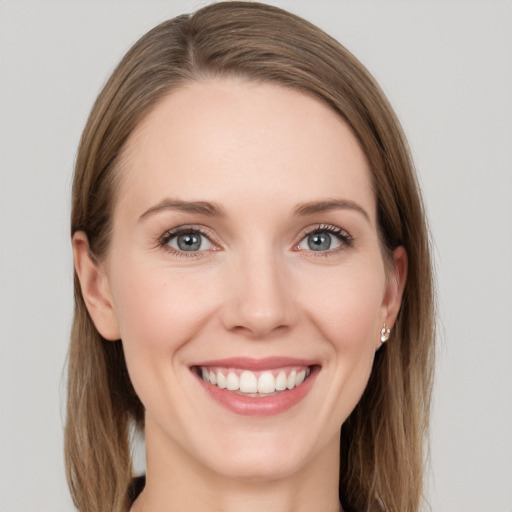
<point x="183" y="230"/>
<point x="343" y="236"/>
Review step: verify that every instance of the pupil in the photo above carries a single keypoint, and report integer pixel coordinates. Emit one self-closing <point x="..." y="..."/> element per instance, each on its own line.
<point x="189" y="242"/>
<point x="319" y="241"/>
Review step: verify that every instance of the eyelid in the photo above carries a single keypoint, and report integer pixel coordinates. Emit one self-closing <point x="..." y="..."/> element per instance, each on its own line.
<point x="164" y="239"/>
<point x="345" y="237"/>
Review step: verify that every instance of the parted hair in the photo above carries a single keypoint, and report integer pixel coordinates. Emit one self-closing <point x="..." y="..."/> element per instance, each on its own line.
<point x="383" y="440"/>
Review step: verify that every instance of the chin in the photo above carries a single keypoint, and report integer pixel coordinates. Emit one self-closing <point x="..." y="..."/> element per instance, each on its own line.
<point x="259" y="467"/>
<point x="261" y="456"/>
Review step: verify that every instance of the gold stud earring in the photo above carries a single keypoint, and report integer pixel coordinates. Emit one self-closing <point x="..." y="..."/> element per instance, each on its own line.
<point x="384" y="334"/>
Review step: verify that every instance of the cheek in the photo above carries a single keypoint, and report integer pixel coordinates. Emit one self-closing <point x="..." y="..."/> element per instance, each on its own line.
<point x="342" y="306"/>
<point x="159" y="309"/>
<point x="346" y="305"/>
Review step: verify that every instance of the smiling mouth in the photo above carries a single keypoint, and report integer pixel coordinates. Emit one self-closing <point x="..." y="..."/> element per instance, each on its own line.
<point x="255" y="384"/>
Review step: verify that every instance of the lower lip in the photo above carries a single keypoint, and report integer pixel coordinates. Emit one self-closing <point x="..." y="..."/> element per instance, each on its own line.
<point x="260" y="406"/>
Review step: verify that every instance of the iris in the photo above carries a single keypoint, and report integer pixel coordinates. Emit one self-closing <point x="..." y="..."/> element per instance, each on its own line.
<point x="319" y="241"/>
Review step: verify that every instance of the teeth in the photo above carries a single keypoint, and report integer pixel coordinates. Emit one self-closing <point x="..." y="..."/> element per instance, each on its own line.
<point x="291" y="380"/>
<point x="221" y="380"/>
<point x="248" y="382"/>
<point x="232" y="381"/>
<point x="264" y="383"/>
<point x="281" y="381"/>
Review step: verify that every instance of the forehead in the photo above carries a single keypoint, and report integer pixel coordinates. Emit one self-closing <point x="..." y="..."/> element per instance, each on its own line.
<point x="266" y="142"/>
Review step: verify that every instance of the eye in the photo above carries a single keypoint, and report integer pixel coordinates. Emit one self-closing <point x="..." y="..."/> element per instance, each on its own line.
<point x="190" y="240"/>
<point x="325" y="238"/>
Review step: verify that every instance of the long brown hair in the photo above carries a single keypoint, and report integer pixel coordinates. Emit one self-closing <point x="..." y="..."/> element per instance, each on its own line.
<point x="382" y="442"/>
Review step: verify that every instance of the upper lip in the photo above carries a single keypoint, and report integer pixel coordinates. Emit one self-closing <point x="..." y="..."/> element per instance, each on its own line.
<point x="248" y="363"/>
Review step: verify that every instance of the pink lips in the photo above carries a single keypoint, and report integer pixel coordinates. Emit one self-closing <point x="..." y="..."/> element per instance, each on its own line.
<point x="258" y="406"/>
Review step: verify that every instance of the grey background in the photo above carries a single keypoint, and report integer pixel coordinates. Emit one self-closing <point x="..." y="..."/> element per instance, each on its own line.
<point x="447" y="69"/>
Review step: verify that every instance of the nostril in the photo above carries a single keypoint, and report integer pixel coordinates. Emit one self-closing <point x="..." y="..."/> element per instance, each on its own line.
<point x="260" y="330"/>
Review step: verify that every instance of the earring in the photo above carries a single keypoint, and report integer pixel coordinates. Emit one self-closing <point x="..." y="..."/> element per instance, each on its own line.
<point x="384" y="334"/>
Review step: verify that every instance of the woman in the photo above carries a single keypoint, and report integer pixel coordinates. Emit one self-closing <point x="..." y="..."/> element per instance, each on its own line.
<point x="253" y="283"/>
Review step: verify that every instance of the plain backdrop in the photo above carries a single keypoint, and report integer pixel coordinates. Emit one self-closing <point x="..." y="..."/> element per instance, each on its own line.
<point x="447" y="69"/>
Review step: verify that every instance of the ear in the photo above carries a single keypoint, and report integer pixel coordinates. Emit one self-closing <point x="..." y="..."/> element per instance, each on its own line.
<point x="397" y="276"/>
<point x="95" y="288"/>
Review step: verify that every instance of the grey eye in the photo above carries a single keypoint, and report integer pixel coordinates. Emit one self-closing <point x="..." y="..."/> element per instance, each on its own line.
<point x="190" y="242"/>
<point x="320" y="241"/>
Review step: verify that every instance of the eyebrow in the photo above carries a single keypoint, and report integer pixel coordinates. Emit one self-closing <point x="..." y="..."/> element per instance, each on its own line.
<point x="214" y="210"/>
<point x="312" y="207"/>
<point x="199" y="207"/>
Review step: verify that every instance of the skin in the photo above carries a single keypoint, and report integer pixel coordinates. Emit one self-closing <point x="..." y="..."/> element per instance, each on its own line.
<point x="257" y="290"/>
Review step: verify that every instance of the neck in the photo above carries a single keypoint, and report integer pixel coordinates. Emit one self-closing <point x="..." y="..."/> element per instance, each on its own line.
<point x="177" y="481"/>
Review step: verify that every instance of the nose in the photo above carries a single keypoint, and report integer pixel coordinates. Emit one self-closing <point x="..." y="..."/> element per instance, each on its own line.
<point x="260" y="297"/>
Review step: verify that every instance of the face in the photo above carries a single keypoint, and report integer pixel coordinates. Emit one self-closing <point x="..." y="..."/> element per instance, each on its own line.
<point x="245" y="277"/>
